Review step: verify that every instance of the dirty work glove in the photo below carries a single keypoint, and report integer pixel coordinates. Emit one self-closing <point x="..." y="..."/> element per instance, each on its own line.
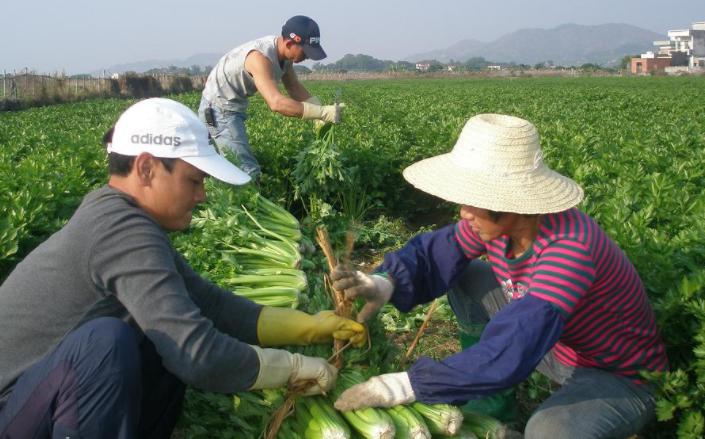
<point x="318" y="124"/>
<point x="286" y="326"/>
<point x="313" y="100"/>
<point x="279" y="368"/>
<point x="375" y="289"/>
<point x="385" y="390"/>
<point x="326" y="113"/>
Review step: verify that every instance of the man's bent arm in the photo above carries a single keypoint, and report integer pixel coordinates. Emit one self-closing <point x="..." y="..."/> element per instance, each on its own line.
<point x="260" y="68"/>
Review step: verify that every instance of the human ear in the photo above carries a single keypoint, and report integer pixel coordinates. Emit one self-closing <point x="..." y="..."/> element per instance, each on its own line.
<point x="144" y="167"/>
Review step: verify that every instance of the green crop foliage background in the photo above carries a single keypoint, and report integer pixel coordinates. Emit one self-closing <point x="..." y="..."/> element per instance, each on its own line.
<point x="636" y="145"/>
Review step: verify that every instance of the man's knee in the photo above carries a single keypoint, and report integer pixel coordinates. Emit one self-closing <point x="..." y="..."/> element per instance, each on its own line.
<point x="107" y="343"/>
<point x="108" y="329"/>
<point x="551" y="424"/>
<point x="109" y="326"/>
<point x="92" y="376"/>
<point x="472" y="298"/>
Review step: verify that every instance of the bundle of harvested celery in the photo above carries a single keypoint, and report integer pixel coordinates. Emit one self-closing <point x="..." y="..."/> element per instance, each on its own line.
<point x="242" y="241"/>
<point x="316" y="418"/>
<point x="371" y="423"/>
<point x="443" y="419"/>
<point x="408" y="423"/>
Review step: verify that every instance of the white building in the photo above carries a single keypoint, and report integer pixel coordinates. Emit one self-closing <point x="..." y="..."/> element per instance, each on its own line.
<point x="685" y="46"/>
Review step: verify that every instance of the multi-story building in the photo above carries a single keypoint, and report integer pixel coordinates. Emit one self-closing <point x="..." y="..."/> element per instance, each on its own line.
<point x="683" y="48"/>
<point x="686" y="47"/>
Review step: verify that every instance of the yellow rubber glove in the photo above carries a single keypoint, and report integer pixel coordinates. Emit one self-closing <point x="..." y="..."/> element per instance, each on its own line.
<point x="286" y="326"/>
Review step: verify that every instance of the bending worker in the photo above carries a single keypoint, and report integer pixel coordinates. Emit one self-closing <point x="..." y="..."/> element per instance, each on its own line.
<point x="556" y="293"/>
<point x="258" y="66"/>
<point x="104" y="323"/>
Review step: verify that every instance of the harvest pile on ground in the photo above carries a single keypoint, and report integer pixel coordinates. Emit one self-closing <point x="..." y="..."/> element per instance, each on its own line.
<point x="233" y="238"/>
<point x="636" y="145"/>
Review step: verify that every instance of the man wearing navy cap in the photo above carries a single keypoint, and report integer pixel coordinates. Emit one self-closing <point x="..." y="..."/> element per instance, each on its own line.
<point x="259" y="65"/>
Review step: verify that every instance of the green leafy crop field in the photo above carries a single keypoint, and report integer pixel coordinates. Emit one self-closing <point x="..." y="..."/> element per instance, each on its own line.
<point x="636" y="145"/>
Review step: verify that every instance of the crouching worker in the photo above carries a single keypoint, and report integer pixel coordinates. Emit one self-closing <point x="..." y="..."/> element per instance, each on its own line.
<point x="105" y="323"/>
<point x="556" y="293"/>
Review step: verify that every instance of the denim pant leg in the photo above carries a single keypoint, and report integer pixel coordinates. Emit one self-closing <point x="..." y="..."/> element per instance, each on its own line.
<point x="98" y="382"/>
<point x="162" y="395"/>
<point x="230" y="135"/>
<point x="593" y="404"/>
<point x="88" y="386"/>
<point x="476" y="297"/>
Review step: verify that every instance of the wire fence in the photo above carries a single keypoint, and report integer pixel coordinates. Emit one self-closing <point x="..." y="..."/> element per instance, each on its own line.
<point x="27" y="85"/>
<point x="31" y="88"/>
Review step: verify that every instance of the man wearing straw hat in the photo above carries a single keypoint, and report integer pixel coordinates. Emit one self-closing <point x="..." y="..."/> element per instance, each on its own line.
<point x="104" y="323"/>
<point x="556" y="293"/>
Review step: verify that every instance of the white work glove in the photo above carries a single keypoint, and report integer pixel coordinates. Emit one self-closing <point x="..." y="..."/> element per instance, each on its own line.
<point x="385" y="390"/>
<point x="375" y="289"/>
<point x="278" y="368"/>
<point x="313" y="100"/>
<point x="326" y="113"/>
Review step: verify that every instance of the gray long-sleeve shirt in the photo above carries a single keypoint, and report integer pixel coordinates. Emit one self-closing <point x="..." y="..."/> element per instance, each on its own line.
<point x="112" y="259"/>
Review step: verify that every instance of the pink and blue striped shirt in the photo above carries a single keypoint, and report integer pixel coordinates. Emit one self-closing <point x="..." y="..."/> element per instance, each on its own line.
<point x="574" y="266"/>
<point x="574" y="291"/>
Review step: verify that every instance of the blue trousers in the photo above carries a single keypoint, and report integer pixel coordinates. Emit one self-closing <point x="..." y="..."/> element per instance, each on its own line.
<point x="99" y="382"/>
<point x="228" y="131"/>
<point x="591" y="403"/>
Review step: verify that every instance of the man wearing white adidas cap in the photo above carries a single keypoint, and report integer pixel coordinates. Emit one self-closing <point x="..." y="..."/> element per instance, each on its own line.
<point x="104" y="323"/>
<point x="556" y="293"/>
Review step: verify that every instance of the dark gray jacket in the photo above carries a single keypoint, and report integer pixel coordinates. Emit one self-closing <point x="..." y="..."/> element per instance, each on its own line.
<point x="112" y="259"/>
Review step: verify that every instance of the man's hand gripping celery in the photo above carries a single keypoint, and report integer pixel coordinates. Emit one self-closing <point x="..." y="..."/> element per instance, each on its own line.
<point x="322" y="114"/>
<point x="281" y="327"/>
<point x="384" y="390"/>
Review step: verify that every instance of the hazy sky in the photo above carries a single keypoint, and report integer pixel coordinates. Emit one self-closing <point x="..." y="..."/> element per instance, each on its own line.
<point x="82" y="35"/>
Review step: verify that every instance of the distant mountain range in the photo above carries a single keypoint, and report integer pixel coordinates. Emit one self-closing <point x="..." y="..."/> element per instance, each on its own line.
<point x="567" y="45"/>
<point x="201" y="60"/>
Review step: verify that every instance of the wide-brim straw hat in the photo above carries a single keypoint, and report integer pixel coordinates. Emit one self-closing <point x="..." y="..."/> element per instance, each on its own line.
<point x="496" y="164"/>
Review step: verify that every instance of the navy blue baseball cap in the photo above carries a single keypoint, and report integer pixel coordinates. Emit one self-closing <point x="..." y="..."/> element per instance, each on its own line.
<point x="304" y="31"/>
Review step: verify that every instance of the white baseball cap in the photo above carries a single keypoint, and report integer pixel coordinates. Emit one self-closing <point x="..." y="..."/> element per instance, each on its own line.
<point x="169" y="129"/>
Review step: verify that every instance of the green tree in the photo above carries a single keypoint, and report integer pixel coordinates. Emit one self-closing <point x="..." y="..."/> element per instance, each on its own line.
<point x="476" y="63"/>
<point x="626" y="62"/>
